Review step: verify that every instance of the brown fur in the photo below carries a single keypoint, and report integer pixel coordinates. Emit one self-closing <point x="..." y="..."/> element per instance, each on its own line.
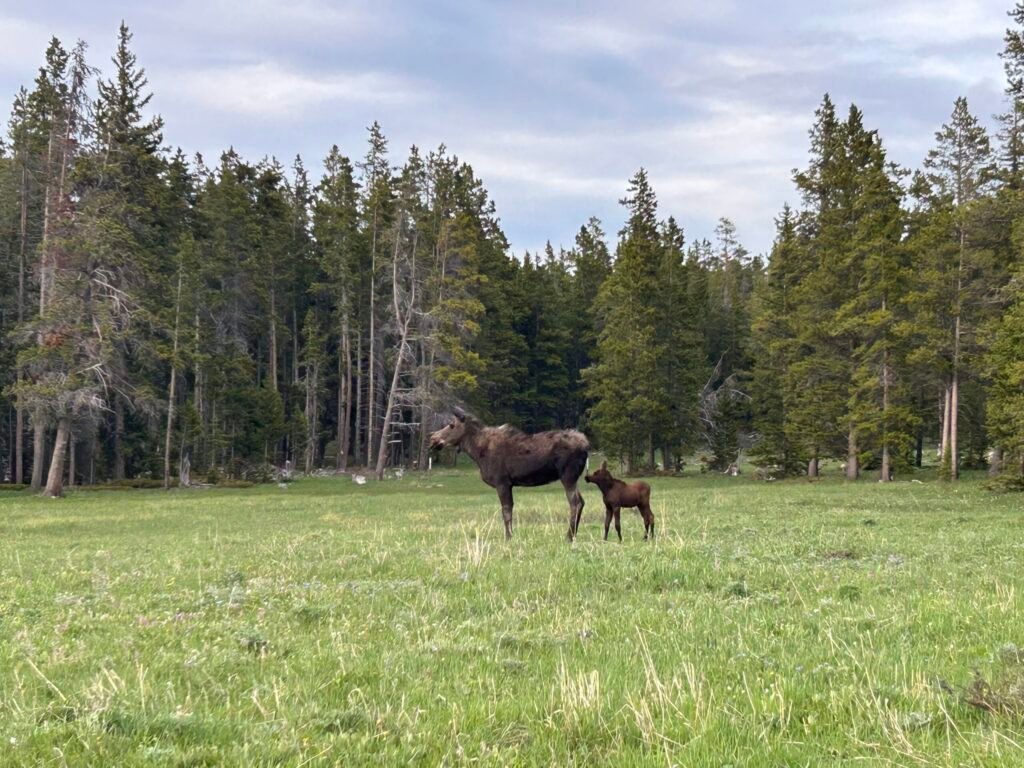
<point x="507" y="457"/>
<point x="618" y="494"/>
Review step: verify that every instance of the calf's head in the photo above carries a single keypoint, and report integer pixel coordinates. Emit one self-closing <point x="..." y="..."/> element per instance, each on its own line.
<point x="601" y="477"/>
<point x="451" y="433"/>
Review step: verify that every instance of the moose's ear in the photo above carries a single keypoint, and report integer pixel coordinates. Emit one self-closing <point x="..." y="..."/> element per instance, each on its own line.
<point x="604" y="465"/>
<point x="459" y="413"/>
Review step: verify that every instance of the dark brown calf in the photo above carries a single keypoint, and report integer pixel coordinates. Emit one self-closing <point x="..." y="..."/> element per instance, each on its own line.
<point x="617" y="495"/>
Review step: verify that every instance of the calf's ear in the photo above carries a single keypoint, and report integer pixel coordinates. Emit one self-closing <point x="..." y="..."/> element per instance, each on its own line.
<point x="459" y="413"/>
<point x="604" y="465"/>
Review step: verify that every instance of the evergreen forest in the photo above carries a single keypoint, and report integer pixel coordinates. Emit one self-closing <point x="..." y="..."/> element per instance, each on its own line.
<point x="159" y="308"/>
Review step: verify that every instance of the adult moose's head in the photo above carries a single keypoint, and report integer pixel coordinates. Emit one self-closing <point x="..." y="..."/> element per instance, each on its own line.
<point x="451" y="433"/>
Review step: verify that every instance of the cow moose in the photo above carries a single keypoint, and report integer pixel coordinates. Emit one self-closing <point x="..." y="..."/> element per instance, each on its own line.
<point x="507" y="457"/>
<point x="618" y="494"/>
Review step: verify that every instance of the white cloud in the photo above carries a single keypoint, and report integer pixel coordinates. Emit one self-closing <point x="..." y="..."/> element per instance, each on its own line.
<point x="729" y="158"/>
<point x="964" y="71"/>
<point x="596" y="36"/>
<point x="913" y="23"/>
<point x="631" y="31"/>
<point x="233" y="21"/>
<point x="23" y="41"/>
<point x="555" y="103"/>
<point x="273" y="91"/>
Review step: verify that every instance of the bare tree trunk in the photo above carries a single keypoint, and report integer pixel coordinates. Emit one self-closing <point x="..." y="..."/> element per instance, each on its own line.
<point x="340" y="439"/>
<point x="170" y="425"/>
<point x="441" y="267"/>
<point x="886" y="458"/>
<point x="382" y="450"/>
<point x="273" y="339"/>
<point x="38" y="452"/>
<point x="295" y="346"/>
<point x="371" y="393"/>
<point x="358" y="434"/>
<point x="423" y="453"/>
<point x="38" y="428"/>
<point x="919" y="444"/>
<point x="312" y="372"/>
<point x="213" y="432"/>
<point x="118" y="438"/>
<point x="852" y="455"/>
<point x="944" y="443"/>
<point x="171" y="388"/>
<point x="19" y="439"/>
<point x="197" y="395"/>
<point x="812" y="467"/>
<point x="406" y="323"/>
<point x="48" y="205"/>
<point x="995" y="465"/>
<point x="55" y="479"/>
<point x="71" y="459"/>
<point x="345" y="437"/>
<point x="19" y="413"/>
<point x="954" y="408"/>
<point x="954" y="428"/>
<point x="954" y="405"/>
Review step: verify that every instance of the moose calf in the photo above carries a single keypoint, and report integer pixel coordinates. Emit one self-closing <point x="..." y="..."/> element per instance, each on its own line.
<point x="618" y="494"/>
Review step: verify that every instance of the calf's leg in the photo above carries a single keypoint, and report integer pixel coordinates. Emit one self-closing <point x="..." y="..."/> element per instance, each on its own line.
<point x="618" y="522"/>
<point x="648" y="521"/>
<point x="607" y="520"/>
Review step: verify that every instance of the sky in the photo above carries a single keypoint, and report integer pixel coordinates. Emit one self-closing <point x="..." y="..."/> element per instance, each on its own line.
<point x="554" y="104"/>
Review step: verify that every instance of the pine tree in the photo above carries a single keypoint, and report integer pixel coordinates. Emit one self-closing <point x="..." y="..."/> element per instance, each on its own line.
<point x="591" y="263"/>
<point x="1011" y="133"/>
<point x="376" y="205"/>
<point x="821" y="371"/>
<point x="68" y="369"/>
<point x="336" y="233"/>
<point x="958" y="172"/>
<point x="404" y="244"/>
<point x="1004" y="363"/>
<point x="120" y="186"/>
<point x="774" y="352"/>
<point x="681" y="364"/>
<point x="874" y="314"/>
<point x="631" y="406"/>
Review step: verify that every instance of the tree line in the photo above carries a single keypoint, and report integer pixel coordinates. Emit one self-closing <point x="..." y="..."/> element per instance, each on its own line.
<point x="158" y="313"/>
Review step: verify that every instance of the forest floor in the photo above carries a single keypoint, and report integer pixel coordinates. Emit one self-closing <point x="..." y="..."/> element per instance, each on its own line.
<point x="330" y="623"/>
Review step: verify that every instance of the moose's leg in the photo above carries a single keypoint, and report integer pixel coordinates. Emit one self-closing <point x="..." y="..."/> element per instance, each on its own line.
<point x="505" y="497"/>
<point x="618" y="522"/>
<point x="607" y="520"/>
<point x="575" y="499"/>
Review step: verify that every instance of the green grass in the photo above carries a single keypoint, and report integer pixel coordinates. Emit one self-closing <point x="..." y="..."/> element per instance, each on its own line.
<point x="336" y="624"/>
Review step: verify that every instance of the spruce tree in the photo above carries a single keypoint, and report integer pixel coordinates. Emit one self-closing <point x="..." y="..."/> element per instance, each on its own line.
<point x="875" y="313"/>
<point x="774" y="352"/>
<point x="1004" y="364"/>
<point x="958" y="172"/>
<point x="336" y="233"/>
<point x="681" y="363"/>
<point x="631" y="405"/>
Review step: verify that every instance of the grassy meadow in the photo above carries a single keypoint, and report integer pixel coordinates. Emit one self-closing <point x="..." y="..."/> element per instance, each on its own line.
<point x="389" y="624"/>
